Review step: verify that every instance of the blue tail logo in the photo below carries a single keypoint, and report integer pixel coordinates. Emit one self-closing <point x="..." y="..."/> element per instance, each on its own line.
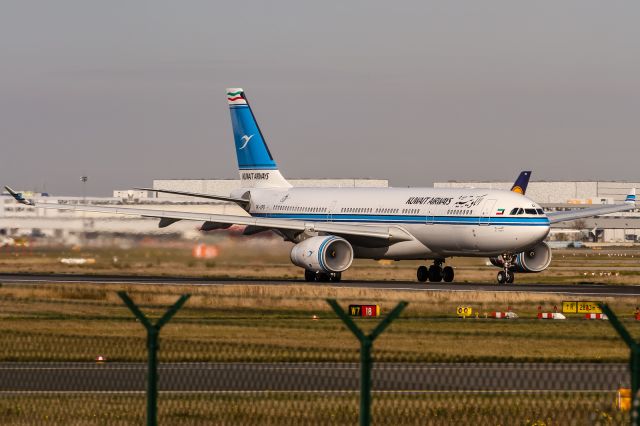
<point x="251" y="149"/>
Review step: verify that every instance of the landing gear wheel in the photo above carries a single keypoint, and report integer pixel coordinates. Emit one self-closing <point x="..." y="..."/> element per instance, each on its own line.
<point x="447" y="274"/>
<point x="435" y="273"/>
<point x="502" y="277"/>
<point x="423" y="273"/>
<point x="335" y="277"/>
<point x="309" y="276"/>
<point x="323" y="278"/>
<point x="510" y="277"/>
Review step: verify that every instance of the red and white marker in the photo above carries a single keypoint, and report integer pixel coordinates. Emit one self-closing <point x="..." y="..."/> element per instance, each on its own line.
<point x="503" y="315"/>
<point x="551" y="315"/>
<point x="596" y="316"/>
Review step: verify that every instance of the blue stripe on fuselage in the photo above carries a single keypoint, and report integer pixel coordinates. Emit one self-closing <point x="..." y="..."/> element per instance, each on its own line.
<point x="447" y="220"/>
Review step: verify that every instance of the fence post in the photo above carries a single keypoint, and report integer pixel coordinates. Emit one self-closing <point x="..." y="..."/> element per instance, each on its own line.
<point x="366" y="345"/>
<point x="634" y="360"/>
<point x="153" y="334"/>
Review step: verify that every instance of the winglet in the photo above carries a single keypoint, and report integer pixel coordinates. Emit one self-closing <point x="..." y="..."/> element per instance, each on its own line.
<point x="520" y="185"/>
<point x="631" y="196"/>
<point x="18" y="196"/>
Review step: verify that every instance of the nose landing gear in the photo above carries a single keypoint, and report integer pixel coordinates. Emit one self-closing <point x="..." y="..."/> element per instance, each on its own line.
<point x="435" y="273"/>
<point x="506" y="276"/>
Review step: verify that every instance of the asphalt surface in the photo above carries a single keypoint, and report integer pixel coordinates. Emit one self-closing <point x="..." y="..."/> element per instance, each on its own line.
<point x="313" y="377"/>
<point x="574" y="289"/>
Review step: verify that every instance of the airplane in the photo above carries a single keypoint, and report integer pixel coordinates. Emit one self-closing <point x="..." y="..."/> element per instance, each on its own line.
<point x="330" y="227"/>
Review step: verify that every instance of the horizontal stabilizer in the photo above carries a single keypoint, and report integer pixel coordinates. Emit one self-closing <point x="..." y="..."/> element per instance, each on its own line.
<point x="18" y="197"/>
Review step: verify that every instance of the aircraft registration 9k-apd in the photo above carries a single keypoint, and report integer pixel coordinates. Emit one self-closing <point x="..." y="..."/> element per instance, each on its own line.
<point x="332" y="226"/>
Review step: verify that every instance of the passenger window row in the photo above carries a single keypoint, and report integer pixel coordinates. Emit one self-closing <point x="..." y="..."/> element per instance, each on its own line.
<point x="356" y="210"/>
<point x="383" y="210"/>
<point x="410" y="211"/>
<point x="300" y="209"/>
<point x="460" y="212"/>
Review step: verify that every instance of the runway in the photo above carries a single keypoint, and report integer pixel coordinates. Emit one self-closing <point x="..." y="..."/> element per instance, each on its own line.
<point x="314" y="377"/>
<point x="572" y="289"/>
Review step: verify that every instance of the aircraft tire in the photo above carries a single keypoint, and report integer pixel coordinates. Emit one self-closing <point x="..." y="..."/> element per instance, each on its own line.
<point x="502" y="277"/>
<point x="435" y="274"/>
<point x="309" y="276"/>
<point x="510" y="277"/>
<point x="336" y="277"/>
<point x="423" y="273"/>
<point x="324" y="278"/>
<point x="448" y="274"/>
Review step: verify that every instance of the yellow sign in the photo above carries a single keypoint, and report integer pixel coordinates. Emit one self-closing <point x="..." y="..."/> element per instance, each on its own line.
<point x="589" y="308"/>
<point x="464" y="311"/>
<point x="581" y="308"/>
<point x="569" y="307"/>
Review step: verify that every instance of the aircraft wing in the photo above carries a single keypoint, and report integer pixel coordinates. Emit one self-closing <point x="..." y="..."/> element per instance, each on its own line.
<point x="388" y="233"/>
<point x="240" y="201"/>
<point x="629" y="204"/>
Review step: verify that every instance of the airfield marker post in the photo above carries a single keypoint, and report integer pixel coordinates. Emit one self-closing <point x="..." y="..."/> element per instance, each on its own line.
<point x="634" y="360"/>
<point x="153" y="335"/>
<point x="366" y="345"/>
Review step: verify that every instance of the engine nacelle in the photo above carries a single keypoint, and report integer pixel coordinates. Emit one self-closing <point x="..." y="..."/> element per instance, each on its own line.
<point x="536" y="259"/>
<point x="328" y="254"/>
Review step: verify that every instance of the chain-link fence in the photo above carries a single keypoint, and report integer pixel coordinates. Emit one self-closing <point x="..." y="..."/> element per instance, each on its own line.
<point x="77" y="355"/>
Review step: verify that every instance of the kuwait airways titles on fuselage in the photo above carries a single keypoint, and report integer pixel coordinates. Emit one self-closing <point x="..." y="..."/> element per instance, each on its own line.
<point x="429" y="200"/>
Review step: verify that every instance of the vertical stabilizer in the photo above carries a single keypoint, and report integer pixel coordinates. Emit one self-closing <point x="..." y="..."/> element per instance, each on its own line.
<point x="255" y="163"/>
<point x="520" y="185"/>
<point x="631" y="196"/>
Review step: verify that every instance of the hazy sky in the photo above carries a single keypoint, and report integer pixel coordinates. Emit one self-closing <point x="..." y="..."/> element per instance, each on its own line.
<point x="129" y="91"/>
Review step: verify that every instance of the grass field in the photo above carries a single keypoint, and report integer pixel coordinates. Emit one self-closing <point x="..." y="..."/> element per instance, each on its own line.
<point x="273" y="408"/>
<point x="269" y="259"/>
<point x="76" y="322"/>
<point x="274" y="323"/>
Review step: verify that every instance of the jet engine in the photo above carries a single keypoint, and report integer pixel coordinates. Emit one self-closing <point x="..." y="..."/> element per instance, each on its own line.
<point x="327" y="254"/>
<point x="536" y="259"/>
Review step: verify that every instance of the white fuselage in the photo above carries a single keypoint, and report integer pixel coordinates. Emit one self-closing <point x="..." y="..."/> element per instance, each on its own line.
<point x="443" y="222"/>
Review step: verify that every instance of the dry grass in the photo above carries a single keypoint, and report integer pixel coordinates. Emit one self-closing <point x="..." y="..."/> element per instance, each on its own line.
<point x="79" y="321"/>
<point x="336" y="409"/>
<point x="269" y="259"/>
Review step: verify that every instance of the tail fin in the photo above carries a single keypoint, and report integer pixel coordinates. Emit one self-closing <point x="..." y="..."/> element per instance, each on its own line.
<point x="631" y="196"/>
<point x="520" y="185"/>
<point x="255" y="163"/>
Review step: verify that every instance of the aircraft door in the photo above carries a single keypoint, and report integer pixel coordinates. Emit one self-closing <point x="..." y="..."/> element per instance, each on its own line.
<point x="429" y="217"/>
<point x="330" y="210"/>
<point x="487" y="209"/>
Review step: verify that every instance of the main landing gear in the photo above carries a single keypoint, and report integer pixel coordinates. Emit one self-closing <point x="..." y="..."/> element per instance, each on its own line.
<point x="312" y="276"/>
<point x="435" y="273"/>
<point x="506" y="276"/>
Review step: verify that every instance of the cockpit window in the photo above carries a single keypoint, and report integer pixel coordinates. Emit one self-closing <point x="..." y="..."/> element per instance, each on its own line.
<point x="540" y="211"/>
<point x="520" y="211"/>
<point x="514" y="211"/>
<point x="530" y="211"/>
